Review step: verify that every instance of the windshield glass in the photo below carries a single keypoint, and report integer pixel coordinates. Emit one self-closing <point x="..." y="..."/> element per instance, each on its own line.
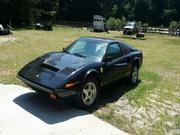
<point x="130" y="24"/>
<point x="87" y="48"/>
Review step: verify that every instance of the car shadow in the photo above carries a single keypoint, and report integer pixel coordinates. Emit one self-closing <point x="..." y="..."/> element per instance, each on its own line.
<point x="52" y="112"/>
<point x="46" y="109"/>
<point x="113" y="92"/>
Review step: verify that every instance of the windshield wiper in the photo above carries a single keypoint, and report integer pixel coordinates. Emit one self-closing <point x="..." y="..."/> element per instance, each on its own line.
<point x="80" y="54"/>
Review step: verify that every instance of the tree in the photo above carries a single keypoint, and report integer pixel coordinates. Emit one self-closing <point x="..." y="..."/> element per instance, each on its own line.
<point x="145" y="26"/>
<point x="173" y="28"/>
<point x="141" y="10"/>
<point x="116" y="23"/>
<point x="25" y="12"/>
<point x="111" y="23"/>
<point x="114" y="10"/>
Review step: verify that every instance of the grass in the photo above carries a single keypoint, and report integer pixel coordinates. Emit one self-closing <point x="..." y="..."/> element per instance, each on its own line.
<point x="152" y="101"/>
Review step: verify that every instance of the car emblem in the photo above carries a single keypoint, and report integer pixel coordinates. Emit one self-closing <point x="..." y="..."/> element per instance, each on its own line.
<point x="37" y="75"/>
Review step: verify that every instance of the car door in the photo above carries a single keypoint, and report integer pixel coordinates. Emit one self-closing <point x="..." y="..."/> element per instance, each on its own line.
<point x="127" y="54"/>
<point x="115" y="63"/>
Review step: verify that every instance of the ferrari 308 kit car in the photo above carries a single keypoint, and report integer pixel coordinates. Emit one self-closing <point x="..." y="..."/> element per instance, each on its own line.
<point x="82" y="68"/>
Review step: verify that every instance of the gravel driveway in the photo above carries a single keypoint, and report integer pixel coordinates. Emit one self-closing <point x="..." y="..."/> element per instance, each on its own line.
<point x="24" y="112"/>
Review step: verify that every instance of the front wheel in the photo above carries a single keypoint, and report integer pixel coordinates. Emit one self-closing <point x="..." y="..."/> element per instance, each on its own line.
<point x="133" y="79"/>
<point x="88" y="94"/>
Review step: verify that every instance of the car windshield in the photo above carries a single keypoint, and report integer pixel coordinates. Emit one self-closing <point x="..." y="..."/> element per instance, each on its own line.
<point x="130" y="24"/>
<point x="87" y="48"/>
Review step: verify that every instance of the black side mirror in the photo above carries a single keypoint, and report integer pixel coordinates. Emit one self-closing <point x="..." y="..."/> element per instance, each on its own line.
<point x="108" y="58"/>
<point x="63" y="49"/>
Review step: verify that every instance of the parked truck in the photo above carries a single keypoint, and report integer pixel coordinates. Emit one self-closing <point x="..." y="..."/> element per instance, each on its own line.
<point x="130" y="28"/>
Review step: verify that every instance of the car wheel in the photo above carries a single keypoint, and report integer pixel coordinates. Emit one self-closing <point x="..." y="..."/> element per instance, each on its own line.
<point x="88" y="95"/>
<point x="133" y="79"/>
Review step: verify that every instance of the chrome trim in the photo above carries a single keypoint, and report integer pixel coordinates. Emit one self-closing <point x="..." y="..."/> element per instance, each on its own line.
<point x="35" y="85"/>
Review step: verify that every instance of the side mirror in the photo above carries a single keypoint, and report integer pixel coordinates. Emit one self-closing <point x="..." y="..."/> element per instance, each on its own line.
<point x="63" y="49"/>
<point x="108" y="58"/>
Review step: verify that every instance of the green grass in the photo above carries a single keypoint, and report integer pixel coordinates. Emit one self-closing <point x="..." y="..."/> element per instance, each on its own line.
<point x="150" y="81"/>
<point x="160" y="74"/>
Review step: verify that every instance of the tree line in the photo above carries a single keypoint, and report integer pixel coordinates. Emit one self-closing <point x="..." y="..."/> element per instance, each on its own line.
<point x="25" y="12"/>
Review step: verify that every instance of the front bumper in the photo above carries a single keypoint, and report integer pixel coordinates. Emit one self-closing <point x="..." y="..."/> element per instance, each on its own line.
<point x="60" y="93"/>
<point x="127" y="32"/>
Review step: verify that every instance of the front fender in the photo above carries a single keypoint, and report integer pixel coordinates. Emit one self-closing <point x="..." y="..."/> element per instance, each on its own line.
<point x="94" y="73"/>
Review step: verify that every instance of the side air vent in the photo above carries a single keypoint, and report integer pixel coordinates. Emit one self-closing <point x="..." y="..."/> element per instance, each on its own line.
<point x="47" y="66"/>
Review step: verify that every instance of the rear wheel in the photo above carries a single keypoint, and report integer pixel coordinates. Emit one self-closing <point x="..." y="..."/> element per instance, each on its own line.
<point x="88" y="94"/>
<point x="133" y="79"/>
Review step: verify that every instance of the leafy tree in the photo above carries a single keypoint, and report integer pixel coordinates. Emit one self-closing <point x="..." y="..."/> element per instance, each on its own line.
<point x="173" y="27"/>
<point x="123" y="22"/>
<point x="25" y="12"/>
<point x="145" y="26"/>
<point x="139" y="24"/>
<point x="111" y="23"/>
<point x="114" y="10"/>
<point x="116" y="23"/>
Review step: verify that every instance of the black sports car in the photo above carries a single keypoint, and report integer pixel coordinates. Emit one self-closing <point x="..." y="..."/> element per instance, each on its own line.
<point x="82" y="68"/>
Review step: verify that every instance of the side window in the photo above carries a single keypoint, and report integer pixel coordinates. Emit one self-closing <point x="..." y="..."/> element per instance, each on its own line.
<point x="125" y="49"/>
<point x="114" y="51"/>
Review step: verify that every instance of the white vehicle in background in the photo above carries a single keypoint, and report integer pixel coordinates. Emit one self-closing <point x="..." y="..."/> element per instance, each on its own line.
<point x="4" y="31"/>
<point x="130" y="28"/>
<point x="1" y="27"/>
<point x="99" y="23"/>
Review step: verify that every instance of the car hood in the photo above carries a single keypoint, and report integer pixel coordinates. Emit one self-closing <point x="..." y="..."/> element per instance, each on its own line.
<point x="128" y="27"/>
<point x="53" y="69"/>
<point x="63" y="60"/>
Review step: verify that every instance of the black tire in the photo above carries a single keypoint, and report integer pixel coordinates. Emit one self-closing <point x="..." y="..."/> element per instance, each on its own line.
<point x="133" y="78"/>
<point x="81" y="103"/>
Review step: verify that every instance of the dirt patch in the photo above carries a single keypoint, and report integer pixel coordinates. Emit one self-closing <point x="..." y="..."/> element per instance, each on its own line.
<point x="143" y="119"/>
<point x="168" y="76"/>
<point x="6" y="72"/>
<point x="6" y="39"/>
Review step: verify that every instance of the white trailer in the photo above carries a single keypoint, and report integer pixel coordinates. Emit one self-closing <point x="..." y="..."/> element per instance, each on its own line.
<point x="98" y="23"/>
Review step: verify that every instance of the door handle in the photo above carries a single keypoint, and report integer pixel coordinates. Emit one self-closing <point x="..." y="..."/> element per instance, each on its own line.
<point x="120" y="64"/>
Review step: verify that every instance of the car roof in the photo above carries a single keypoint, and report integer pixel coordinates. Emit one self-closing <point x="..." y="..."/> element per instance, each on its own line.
<point x="132" y="22"/>
<point x="108" y="40"/>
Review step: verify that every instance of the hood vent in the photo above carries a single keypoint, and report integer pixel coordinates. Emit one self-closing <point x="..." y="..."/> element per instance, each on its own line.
<point x="47" y="66"/>
<point x="67" y="71"/>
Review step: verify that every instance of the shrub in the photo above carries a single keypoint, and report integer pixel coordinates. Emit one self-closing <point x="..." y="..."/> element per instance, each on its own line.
<point x="118" y="23"/>
<point x="123" y="22"/>
<point x="173" y="25"/>
<point x="111" y="23"/>
<point x="114" y="24"/>
<point x="145" y="26"/>
<point x="139" y="24"/>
